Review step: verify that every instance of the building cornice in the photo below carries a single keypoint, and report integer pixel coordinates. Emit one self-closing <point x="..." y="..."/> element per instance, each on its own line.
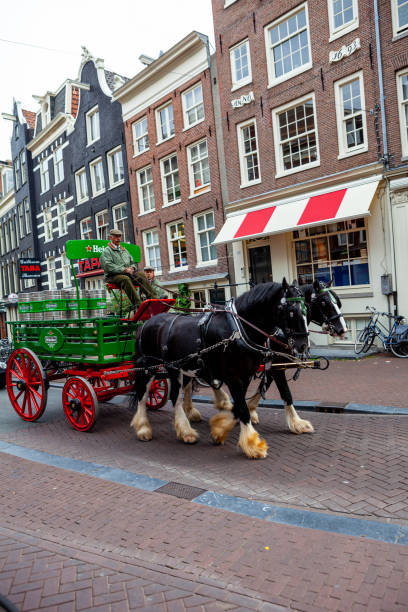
<point x="51" y="131"/>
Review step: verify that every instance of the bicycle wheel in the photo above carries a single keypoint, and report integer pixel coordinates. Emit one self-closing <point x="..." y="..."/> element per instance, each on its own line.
<point x="369" y="341"/>
<point x="399" y="349"/>
<point x="362" y="341"/>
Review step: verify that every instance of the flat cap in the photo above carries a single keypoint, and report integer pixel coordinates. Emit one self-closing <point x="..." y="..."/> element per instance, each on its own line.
<point x="146" y="268"/>
<point x="115" y="232"/>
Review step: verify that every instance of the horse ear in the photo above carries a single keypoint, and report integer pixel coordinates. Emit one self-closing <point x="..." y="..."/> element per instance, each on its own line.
<point x="329" y="284"/>
<point x="295" y="283"/>
<point x="284" y="284"/>
<point x="316" y="285"/>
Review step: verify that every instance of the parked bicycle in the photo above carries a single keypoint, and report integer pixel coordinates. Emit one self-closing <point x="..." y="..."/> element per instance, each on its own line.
<point x="394" y="339"/>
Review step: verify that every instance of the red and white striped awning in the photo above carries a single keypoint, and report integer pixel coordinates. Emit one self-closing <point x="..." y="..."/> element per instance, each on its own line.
<point x="347" y="203"/>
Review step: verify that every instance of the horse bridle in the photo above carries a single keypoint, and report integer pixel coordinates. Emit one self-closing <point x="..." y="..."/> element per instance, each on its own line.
<point x="316" y="298"/>
<point x="290" y="334"/>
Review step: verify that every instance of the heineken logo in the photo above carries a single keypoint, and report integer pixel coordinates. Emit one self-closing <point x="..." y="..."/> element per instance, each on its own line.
<point x="94" y="248"/>
<point x="51" y="339"/>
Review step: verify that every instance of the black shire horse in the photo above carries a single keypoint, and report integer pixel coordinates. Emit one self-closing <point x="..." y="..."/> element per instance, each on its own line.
<point x="174" y="340"/>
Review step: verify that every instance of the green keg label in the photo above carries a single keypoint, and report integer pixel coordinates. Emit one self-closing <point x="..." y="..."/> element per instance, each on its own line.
<point x="24" y="307"/>
<point x="51" y="338"/>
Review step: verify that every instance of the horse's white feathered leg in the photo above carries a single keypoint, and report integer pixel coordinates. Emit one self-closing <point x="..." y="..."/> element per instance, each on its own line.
<point x="182" y="425"/>
<point x="221" y="425"/>
<point x="295" y="423"/>
<point x="140" y="422"/>
<point x="192" y="413"/>
<point x="252" y="404"/>
<point x="253" y="446"/>
<point x="222" y="400"/>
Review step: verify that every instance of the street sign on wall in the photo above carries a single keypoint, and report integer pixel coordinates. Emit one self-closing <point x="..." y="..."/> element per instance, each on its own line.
<point x="29" y="268"/>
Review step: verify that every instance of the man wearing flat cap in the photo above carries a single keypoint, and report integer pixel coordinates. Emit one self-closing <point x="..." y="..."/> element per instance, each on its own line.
<point x="149" y="271"/>
<point x="119" y="268"/>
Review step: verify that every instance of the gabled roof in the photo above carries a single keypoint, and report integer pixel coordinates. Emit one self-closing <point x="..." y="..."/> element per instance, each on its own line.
<point x="110" y="78"/>
<point x="30" y="118"/>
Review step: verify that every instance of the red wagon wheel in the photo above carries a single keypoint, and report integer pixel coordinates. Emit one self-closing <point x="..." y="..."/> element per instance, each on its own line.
<point x="158" y="393"/>
<point x="26" y="384"/>
<point x="80" y="403"/>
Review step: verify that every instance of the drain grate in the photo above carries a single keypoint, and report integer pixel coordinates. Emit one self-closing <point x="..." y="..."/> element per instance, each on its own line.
<point x="179" y="490"/>
<point x="336" y="407"/>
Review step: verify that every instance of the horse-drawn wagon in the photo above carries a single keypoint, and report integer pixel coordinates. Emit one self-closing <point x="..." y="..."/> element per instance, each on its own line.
<point x="93" y="354"/>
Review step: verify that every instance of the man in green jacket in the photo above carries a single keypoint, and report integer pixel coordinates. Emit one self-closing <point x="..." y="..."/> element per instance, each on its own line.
<point x="119" y="268"/>
<point x="149" y="271"/>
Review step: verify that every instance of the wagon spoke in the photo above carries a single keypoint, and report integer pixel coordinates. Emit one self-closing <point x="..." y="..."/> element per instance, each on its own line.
<point x="19" y="367"/>
<point x="34" y="400"/>
<point x="36" y="392"/>
<point x="16" y="374"/>
<point x="17" y="396"/>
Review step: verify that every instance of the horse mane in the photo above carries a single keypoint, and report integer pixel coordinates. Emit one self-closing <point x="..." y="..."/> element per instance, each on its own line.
<point x="265" y="292"/>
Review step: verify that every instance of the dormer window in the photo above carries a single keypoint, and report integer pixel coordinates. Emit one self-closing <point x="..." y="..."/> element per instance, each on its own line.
<point x="45" y="112"/>
<point x="92" y="125"/>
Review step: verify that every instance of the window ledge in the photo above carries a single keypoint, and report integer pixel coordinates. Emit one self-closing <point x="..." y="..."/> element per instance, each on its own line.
<point x="399" y="36"/>
<point x="171" y="203"/>
<point x="146" y="212"/>
<point x="239" y="85"/>
<point x="292" y="74"/>
<point x="117" y="184"/>
<point x="207" y="264"/>
<point x="351" y="153"/>
<point x="193" y="124"/>
<point x="82" y="201"/>
<point x="159" y="142"/>
<point x="344" y="30"/>
<point x="195" y="195"/>
<point x="256" y="182"/>
<point x="96" y="195"/>
<point x="294" y="170"/>
<point x="93" y="142"/>
<point x="140" y="153"/>
<point x="181" y="269"/>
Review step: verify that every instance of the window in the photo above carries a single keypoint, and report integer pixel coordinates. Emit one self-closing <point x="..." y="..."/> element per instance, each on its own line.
<point x="204" y="230"/>
<point x="177" y="245"/>
<point x="152" y="249"/>
<point x="240" y="64"/>
<point x="97" y="177"/>
<point x="62" y="218"/>
<point x="6" y="236"/>
<point x="288" y="49"/>
<point x="115" y="167"/>
<point x="295" y="136"/>
<point x="402" y="88"/>
<point x="198" y="168"/>
<point x="165" y="122"/>
<point x="343" y="17"/>
<point x="120" y="220"/>
<point x="337" y="250"/>
<point x="47" y="215"/>
<point x="399" y="16"/>
<point x="145" y="190"/>
<point x="7" y="180"/>
<point x="17" y="173"/>
<point x="44" y="175"/>
<point x="193" y="106"/>
<point x="102" y="223"/>
<point x="66" y="271"/>
<point x="12" y="233"/>
<point x="27" y="215"/>
<point x="58" y="166"/>
<point x="351" y="119"/>
<point x="228" y="2"/>
<point x="23" y="167"/>
<point x="92" y="125"/>
<point x="81" y="186"/>
<point x="170" y="180"/>
<point x="140" y="136"/>
<point x="248" y="153"/>
<point x="21" y="219"/>
<point x="52" y="277"/>
<point x="86" y="229"/>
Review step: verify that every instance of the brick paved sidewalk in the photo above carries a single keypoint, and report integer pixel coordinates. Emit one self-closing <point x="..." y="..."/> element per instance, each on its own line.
<point x="74" y="542"/>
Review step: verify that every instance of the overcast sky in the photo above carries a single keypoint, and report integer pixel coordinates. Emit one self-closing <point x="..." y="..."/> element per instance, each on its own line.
<point x="117" y="31"/>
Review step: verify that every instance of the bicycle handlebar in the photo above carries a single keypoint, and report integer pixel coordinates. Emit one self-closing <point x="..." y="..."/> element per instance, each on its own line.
<point x="384" y="314"/>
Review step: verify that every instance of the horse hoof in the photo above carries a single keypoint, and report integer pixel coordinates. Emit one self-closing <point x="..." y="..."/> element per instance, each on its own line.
<point x="194" y="416"/>
<point x="301" y="426"/>
<point x="258" y="451"/>
<point x="144" y="435"/>
<point x="254" y="418"/>
<point x="190" y="439"/>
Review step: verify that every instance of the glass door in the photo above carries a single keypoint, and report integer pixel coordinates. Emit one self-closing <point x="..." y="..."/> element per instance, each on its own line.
<point x="260" y="265"/>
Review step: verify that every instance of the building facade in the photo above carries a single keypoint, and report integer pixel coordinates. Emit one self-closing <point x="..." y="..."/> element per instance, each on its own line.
<point x="307" y="165"/>
<point x="174" y="173"/>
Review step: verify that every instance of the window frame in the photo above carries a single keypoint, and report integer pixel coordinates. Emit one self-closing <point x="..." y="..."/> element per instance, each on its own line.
<point x="85" y="235"/>
<point x="237" y="84"/>
<point x="161" y="108"/>
<point x="154" y="245"/>
<point x="340" y="120"/>
<point x="403" y="119"/>
<point x="150" y="187"/>
<point x="48" y="225"/>
<point x="23" y="167"/>
<point x="186" y="124"/>
<point x="66" y="270"/>
<point x="27" y="218"/>
<point x="280" y="171"/>
<point x="241" y="153"/>
<point x="78" y="174"/>
<point x="163" y="177"/>
<point x="92" y="165"/>
<point x="89" y="126"/>
<point x="17" y="172"/>
<point x="173" y="267"/>
<point x="136" y="139"/>
<point x="58" y="164"/>
<point x="397" y="30"/>
<point x="196" y="191"/>
<point x="125" y="231"/>
<point x="200" y="261"/>
<point x="338" y="32"/>
<point x="110" y="156"/>
<point x="51" y="273"/>
<point x="62" y="217"/>
<point x="99" y="227"/>
<point x="272" y="79"/>
<point x="44" y="175"/>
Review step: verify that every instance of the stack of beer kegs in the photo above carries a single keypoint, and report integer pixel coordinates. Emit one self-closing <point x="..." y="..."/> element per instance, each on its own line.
<point x="53" y="305"/>
<point x="97" y="306"/>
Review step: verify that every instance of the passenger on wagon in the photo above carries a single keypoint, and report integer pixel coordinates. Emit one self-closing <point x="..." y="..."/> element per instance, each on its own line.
<point x="119" y="268"/>
<point x="149" y="271"/>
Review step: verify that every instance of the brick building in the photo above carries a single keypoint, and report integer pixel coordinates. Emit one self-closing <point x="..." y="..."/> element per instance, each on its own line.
<point x="171" y="141"/>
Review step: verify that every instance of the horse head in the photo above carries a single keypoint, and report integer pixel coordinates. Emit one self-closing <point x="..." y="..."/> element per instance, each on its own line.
<point x="293" y="317"/>
<point x="325" y="308"/>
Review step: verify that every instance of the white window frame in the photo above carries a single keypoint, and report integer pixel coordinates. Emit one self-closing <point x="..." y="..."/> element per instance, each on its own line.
<point x="112" y="156"/>
<point x="160" y="138"/>
<point x="51" y="273"/>
<point x="92" y="168"/>
<point x="173" y="267"/>
<point x="272" y="79"/>
<point x="166" y="201"/>
<point x="145" y="188"/>
<point x="194" y="107"/>
<point x="21" y="219"/>
<point x="12" y="229"/>
<point x="142" y="139"/>
<point x="100" y="233"/>
<point x="197" y="232"/>
<point x="62" y="218"/>
<point x="88" y="233"/>
<point x="44" y="175"/>
<point x="228" y="3"/>
<point x="89" y="118"/>
<point x="154" y="246"/>
<point x="397" y="30"/>
<point x="23" y="166"/>
<point x="245" y="182"/>
<point x="121" y="223"/>
<point x="78" y="178"/>
<point x="237" y="83"/>
<point x="345" y="28"/>
<point x="403" y="119"/>
<point x="27" y="218"/>
<point x="58" y="166"/>
<point x="343" y="151"/>
<point x="48" y="229"/>
<point x="66" y="270"/>
<point x="17" y="172"/>
<point x="204" y="187"/>
<point x="280" y="170"/>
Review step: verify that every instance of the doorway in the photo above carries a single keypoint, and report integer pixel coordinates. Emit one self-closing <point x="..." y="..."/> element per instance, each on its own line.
<point x="260" y="265"/>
